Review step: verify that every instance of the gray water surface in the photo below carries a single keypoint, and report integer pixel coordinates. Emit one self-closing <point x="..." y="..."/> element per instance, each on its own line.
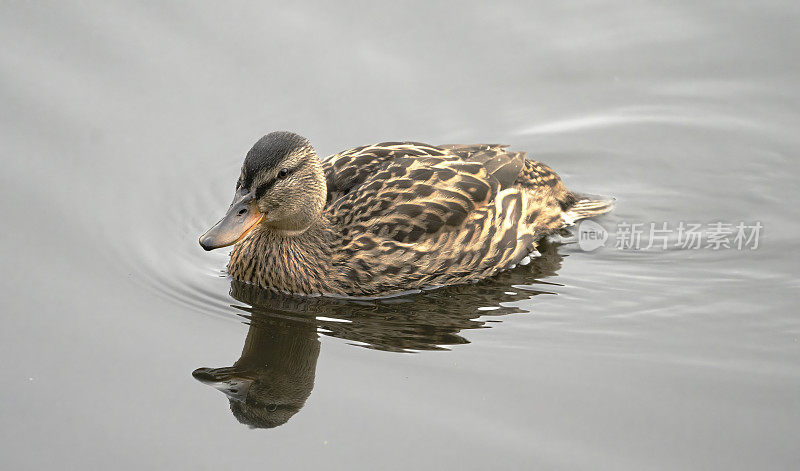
<point x="122" y="133"/>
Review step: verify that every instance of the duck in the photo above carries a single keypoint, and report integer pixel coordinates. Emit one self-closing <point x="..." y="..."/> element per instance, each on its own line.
<point x="389" y="218"/>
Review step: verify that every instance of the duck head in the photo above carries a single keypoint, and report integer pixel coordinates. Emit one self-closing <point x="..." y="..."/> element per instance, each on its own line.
<point x="281" y="187"/>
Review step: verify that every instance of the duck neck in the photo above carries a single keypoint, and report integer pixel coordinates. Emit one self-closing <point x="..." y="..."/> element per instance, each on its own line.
<point x="297" y="261"/>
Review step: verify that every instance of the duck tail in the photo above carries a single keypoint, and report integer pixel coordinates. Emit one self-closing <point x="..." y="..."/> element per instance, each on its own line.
<point x="586" y="206"/>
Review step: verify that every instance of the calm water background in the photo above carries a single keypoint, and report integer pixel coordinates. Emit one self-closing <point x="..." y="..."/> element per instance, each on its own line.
<point x="122" y="131"/>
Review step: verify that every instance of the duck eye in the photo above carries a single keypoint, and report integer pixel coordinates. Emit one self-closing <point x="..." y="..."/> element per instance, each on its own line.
<point x="282" y="173"/>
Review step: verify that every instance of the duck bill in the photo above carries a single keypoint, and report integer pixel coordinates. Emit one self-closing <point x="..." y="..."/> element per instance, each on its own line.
<point x="242" y="216"/>
<point x="229" y="381"/>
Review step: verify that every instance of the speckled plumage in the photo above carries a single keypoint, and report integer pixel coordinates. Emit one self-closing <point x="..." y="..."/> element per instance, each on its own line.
<point x="402" y="216"/>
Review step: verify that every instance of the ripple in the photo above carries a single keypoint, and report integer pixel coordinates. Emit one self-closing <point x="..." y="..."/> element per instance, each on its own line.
<point x="636" y="115"/>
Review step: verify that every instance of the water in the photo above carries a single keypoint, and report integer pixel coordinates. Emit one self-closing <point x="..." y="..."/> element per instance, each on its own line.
<point x="122" y="133"/>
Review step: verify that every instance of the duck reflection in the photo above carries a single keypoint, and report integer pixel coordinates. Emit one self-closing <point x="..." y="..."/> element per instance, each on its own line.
<point x="274" y="376"/>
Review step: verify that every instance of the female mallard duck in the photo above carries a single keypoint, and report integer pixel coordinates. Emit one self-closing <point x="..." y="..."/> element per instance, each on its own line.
<point x="392" y="217"/>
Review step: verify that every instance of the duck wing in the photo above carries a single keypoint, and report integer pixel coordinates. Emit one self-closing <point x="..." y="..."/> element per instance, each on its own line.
<point x="505" y="166"/>
<point x="408" y="191"/>
<point x="349" y="169"/>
